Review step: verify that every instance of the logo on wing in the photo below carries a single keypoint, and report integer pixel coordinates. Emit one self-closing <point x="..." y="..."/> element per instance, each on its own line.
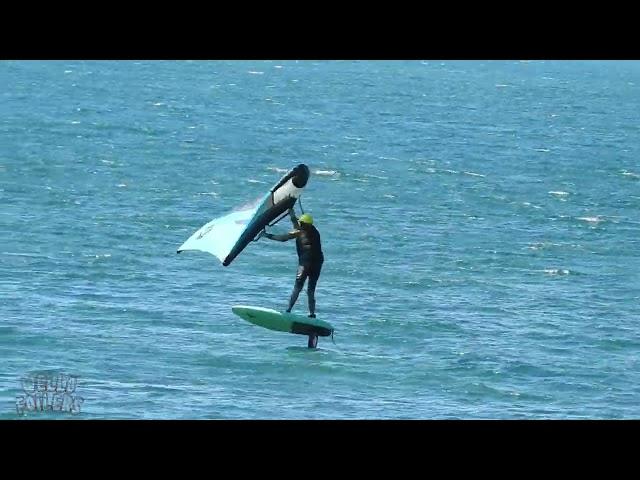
<point x="205" y="231"/>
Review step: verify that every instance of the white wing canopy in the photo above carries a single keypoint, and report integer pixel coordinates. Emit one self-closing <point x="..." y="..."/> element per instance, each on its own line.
<point x="219" y="235"/>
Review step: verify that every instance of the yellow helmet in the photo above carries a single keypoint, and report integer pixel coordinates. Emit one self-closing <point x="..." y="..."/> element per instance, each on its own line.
<point x="306" y="218"/>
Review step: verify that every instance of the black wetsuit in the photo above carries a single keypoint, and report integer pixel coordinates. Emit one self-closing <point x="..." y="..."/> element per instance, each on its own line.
<point x="310" y="259"/>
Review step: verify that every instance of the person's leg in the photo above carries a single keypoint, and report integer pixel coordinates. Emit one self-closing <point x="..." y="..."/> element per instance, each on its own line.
<point x="301" y="276"/>
<point x="314" y="274"/>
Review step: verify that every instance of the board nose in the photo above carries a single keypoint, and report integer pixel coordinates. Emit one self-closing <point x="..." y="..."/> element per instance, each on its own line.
<point x="238" y="310"/>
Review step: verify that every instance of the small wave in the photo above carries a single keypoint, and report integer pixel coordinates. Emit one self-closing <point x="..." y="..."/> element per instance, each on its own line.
<point x="528" y="204"/>
<point x="556" y="271"/>
<point x="158" y="104"/>
<point x="545" y="150"/>
<point x="28" y="255"/>
<point x="8" y="330"/>
<point x="278" y="169"/>
<point x="559" y="193"/>
<point x="104" y="255"/>
<point x="474" y="174"/>
<point x="389" y="196"/>
<point x="450" y="171"/>
<point x="379" y="177"/>
<point x="253" y="72"/>
<point x="122" y="185"/>
<point x="502" y="85"/>
<point x="326" y="173"/>
<point x="251" y="180"/>
<point x="68" y="71"/>
<point x="542" y="245"/>
<point x="211" y="194"/>
<point x="630" y="174"/>
<point x="75" y="122"/>
<point x="278" y="66"/>
<point x="595" y="219"/>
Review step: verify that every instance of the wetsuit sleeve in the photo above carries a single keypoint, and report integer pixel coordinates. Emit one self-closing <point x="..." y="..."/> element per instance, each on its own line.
<point x="283" y="238"/>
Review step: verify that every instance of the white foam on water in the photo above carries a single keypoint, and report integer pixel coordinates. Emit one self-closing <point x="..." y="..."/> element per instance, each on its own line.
<point x="556" y="271"/>
<point x="277" y="169"/>
<point x="325" y="173"/>
<point x="595" y="219"/>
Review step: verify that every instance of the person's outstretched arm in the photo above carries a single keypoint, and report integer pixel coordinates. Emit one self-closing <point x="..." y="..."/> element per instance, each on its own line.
<point x="282" y="238"/>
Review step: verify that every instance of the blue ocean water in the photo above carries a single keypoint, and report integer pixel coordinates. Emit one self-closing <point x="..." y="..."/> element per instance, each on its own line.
<point x="479" y="219"/>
